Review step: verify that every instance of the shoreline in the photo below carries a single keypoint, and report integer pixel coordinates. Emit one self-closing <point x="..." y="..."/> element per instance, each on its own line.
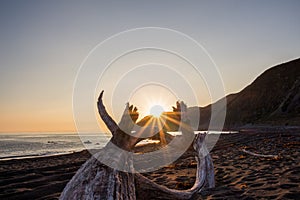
<point x="238" y="175"/>
<point x="23" y="157"/>
<point x="241" y="130"/>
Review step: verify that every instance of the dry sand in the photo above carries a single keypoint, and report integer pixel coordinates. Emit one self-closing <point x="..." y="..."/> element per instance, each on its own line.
<point x="238" y="175"/>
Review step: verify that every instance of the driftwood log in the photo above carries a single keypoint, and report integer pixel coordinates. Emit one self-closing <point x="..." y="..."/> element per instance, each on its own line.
<point x="260" y="155"/>
<point x="95" y="180"/>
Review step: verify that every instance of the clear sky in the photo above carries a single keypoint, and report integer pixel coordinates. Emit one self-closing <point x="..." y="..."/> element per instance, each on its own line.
<point x="43" y="43"/>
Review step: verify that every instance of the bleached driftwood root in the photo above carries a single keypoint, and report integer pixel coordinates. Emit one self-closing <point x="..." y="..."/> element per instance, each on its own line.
<point x="95" y="180"/>
<point x="260" y="155"/>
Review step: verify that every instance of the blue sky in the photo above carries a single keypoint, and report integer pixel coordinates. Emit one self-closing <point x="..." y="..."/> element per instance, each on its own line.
<point x="43" y="44"/>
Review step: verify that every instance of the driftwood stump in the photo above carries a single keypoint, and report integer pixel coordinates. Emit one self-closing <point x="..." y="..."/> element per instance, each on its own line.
<point x="95" y="180"/>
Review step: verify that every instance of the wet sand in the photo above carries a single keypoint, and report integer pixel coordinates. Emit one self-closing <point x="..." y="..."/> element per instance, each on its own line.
<point x="238" y="174"/>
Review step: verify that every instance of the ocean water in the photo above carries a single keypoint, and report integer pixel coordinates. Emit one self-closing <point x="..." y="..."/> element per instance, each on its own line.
<point x="24" y="145"/>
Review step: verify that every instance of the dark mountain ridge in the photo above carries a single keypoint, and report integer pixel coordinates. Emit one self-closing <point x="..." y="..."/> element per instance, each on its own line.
<point x="273" y="98"/>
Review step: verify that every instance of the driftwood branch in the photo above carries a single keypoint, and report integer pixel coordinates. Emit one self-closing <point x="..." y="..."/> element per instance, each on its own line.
<point x="95" y="180"/>
<point x="204" y="178"/>
<point x="109" y="122"/>
<point x="260" y="155"/>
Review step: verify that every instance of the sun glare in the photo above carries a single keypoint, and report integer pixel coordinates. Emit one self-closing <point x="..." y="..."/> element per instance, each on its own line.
<point x="153" y="100"/>
<point x="156" y="110"/>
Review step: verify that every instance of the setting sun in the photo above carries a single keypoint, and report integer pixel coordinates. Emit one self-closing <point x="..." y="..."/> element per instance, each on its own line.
<point x="156" y="110"/>
<point x="153" y="100"/>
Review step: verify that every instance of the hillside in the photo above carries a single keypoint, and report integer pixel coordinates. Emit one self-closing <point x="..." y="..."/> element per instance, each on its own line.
<point x="272" y="98"/>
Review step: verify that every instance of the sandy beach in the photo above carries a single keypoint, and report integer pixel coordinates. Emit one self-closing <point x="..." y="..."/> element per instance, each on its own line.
<point x="239" y="175"/>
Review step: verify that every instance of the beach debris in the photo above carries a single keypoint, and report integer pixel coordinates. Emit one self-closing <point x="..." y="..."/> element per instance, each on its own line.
<point x="276" y="157"/>
<point x="94" y="180"/>
<point x="243" y="186"/>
